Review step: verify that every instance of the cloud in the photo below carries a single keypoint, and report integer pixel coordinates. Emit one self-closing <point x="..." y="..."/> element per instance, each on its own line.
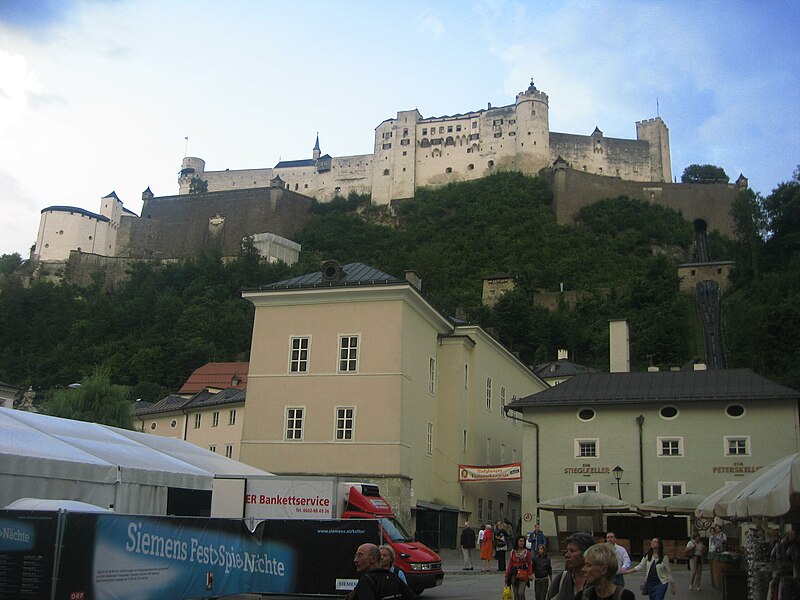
<point x="431" y="25"/>
<point x="17" y="234"/>
<point x="18" y="86"/>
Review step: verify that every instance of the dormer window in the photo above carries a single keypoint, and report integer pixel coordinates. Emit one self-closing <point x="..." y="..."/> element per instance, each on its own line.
<point x="235" y="381"/>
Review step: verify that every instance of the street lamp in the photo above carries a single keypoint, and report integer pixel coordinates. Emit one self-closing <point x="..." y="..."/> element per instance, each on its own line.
<point x="617" y="471"/>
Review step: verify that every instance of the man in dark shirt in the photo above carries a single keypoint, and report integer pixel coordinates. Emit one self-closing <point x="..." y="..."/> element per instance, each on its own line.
<point x="467" y="545"/>
<point x="376" y="583"/>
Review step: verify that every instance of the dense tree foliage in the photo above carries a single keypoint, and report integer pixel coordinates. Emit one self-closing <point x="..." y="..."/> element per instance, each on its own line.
<point x="704" y="174"/>
<point x="152" y="331"/>
<point x="96" y="399"/>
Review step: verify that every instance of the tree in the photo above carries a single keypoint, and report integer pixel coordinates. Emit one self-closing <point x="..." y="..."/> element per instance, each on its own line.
<point x="9" y="263"/>
<point x="198" y="186"/>
<point x="749" y="225"/>
<point x="783" y="216"/>
<point x="704" y="174"/>
<point x="96" y="400"/>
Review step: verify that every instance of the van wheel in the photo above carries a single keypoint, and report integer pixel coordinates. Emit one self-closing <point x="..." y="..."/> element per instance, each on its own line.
<point x="418" y="592"/>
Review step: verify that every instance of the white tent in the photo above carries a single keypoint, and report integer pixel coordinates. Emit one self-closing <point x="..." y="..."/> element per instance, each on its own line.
<point x="773" y="491"/>
<point x="48" y="457"/>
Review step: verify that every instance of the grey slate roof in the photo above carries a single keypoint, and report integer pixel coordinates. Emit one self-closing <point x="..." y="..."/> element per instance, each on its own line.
<point x="202" y="399"/>
<point x="227" y="396"/>
<point x="286" y="164"/>
<point x="662" y="386"/>
<point x="75" y="209"/>
<point x="561" y="368"/>
<point x="354" y="274"/>
<point x="169" y="404"/>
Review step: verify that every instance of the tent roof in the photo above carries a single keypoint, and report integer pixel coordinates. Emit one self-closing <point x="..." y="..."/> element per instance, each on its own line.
<point x="43" y="446"/>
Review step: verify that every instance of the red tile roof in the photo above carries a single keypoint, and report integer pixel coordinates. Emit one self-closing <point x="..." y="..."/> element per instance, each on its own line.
<point x="219" y="375"/>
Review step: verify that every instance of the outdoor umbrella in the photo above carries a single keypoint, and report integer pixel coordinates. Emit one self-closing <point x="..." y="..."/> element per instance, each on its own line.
<point x="586" y="501"/>
<point x="681" y="504"/>
<point x="715" y="504"/>
<point x="773" y="491"/>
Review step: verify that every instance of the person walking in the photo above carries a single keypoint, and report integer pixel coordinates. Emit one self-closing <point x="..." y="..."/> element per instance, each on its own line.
<point x="694" y="552"/>
<point x="623" y="560"/>
<point x="487" y="547"/>
<point x="520" y="561"/>
<point x="572" y="579"/>
<point x="599" y="567"/>
<point x="542" y="573"/>
<point x="536" y="538"/>
<point x="500" y="546"/>
<point x="375" y="582"/>
<point x="658" y="574"/>
<point x="467" y="545"/>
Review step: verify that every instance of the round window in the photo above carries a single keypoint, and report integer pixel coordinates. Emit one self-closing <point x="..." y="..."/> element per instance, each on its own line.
<point x="173" y="423"/>
<point x="587" y="414"/>
<point x="735" y="410"/>
<point x="153" y="426"/>
<point x="668" y="412"/>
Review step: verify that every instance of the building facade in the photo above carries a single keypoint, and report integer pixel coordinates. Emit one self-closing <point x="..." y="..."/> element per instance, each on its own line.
<point x="354" y="374"/>
<point x="672" y="432"/>
<point x="412" y="151"/>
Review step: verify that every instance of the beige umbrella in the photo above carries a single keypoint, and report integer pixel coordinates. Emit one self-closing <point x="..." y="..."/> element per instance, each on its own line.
<point x="714" y="504"/>
<point x="587" y="501"/>
<point x="681" y="504"/>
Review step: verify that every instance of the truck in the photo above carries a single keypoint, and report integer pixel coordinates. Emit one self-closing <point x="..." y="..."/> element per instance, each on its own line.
<point x="308" y="497"/>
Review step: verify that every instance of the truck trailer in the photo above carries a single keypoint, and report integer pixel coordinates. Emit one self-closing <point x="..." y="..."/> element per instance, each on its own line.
<point x="284" y="497"/>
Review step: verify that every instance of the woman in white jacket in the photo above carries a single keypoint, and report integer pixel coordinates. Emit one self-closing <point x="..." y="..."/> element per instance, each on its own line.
<point x="657" y="571"/>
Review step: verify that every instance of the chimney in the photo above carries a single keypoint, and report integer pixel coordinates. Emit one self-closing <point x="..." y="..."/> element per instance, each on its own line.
<point x="619" y="346"/>
<point x="652" y="369"/>
<point x="700" y="366"/>
<point x="414" y="279"/>
<point x="563" y="354"/>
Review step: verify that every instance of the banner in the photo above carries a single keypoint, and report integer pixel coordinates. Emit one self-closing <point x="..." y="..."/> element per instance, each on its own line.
<point x="277" y="498"/>
<point x="510" y="472"/>
<point x="27" y="554"/>
<point x="121" y="557"/>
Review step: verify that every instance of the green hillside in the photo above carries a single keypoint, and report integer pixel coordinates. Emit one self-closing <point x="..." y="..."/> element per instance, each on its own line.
<point x="153" y="330"/>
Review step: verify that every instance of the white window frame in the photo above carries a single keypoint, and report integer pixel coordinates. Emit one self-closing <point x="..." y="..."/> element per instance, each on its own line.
<point x="660" y="441"/>
<point x="488" y="450"/>
<point x="680" y="485"/>
<point x="579" y="441"/>
<point x="212" y="448"/>
<point x="295" y="354"/>
<point x="432" y="376"/>
<point x="290" y="417"/>
<point x="344" y="423"/>
<point x="198" y="420"/>
<point x="729" y="439"/>
<point x="348" y="354"/>
<point x="586" y="486"/>
<point x="489" y="394"/>
<point x="228" y="450"/>
<point x="215" y="418"/>
<point x="502" y="402"/>
<point x="429" y="440"/>
<point x="232" y="417"/>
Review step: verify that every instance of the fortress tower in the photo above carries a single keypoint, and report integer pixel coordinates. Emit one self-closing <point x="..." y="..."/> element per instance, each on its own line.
<point x="655" y="132"/>
<point x="533" y="130"/>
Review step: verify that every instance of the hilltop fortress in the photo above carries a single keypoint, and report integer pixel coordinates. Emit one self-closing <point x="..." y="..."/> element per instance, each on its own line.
<point x="271" y="204"/>
<point x="412" y="151"/>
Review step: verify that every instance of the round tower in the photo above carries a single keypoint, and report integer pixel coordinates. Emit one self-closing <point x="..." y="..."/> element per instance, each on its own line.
<point x="533" y="130"/>
<point x="190" y="167"/>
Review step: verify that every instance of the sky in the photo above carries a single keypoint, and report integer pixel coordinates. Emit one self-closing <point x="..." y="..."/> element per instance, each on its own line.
<point x="100" y="96"/>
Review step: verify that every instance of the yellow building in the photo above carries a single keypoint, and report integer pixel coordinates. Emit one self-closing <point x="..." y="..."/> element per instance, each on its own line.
<point x="353" y="373"/>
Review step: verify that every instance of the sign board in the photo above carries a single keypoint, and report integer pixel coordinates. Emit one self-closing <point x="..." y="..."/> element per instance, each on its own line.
<point x="279" y="498"/>
<point x="510" y="472"/>
<point x="124" y="557"/>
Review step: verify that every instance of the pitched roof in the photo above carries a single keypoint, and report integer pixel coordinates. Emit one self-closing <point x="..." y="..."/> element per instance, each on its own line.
<point x="75" y="209"/>
<point x="169" y="404"/>
<point x="219" y="375"/>
<point x="226" y="396"/>
<point x="561" y="368"/>
<point x="661" y="386"/>
<point x="287" y="164"/>
<point x="352" y="274"/>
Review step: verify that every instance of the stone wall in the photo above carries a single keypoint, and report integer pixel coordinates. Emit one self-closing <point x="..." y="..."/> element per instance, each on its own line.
<point x="187" y="225"/>
<point x="572" y="190"/>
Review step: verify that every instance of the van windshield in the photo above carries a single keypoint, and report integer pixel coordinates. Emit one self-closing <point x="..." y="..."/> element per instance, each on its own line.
<point x="395" y="530"/>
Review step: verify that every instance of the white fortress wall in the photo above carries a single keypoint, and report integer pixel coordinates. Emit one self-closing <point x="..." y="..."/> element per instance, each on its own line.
<point x="61" y="231"/>
<point x="627" y="159"/>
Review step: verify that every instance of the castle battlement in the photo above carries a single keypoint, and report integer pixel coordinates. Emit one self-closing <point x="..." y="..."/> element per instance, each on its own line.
<point x="412" y="151"/>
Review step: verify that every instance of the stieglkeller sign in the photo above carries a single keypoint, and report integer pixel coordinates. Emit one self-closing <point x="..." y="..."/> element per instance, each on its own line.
<point x="510" y="472"/>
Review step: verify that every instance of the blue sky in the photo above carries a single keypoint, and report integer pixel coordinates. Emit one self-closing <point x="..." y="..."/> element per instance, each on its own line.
<point x="98" y="96"/>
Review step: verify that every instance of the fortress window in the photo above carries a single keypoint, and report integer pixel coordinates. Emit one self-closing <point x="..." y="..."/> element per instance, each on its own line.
<point x="490" y="164"/>
<point x="405" y="132"/>
<point x="474" y="136"/>
<point x="448" y="170"/>
<point x="512" y="121"/>
<point x="387" y="146"/>
<point x="337" y="189"/>
<point x="436" y="142"/>
<point x="498" y="134"/>
<point x="90" y="237"/>
<point x="296" y="186"/>
<point x="474" y="124"/>
<point x="469" y="150"/>
<point x="441" y="129"/>
<point x="533" y="112"/>
<point x="305" y="186"/>
<point x="470" y="167"/>
<point x="458" y="127"/>
<point x="386" y="171"/>
<point x="449" y="141"/>
<point x="425" y="143"/>
<point x="404" y="153"/>
<point x="424" y="131"/>
<point x="450" y="129"/>
<point x="510" y="133"/>
<point x="405" y="142"/>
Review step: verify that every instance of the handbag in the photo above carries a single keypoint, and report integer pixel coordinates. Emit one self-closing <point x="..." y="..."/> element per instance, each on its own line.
<point x="523" y="575"/>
